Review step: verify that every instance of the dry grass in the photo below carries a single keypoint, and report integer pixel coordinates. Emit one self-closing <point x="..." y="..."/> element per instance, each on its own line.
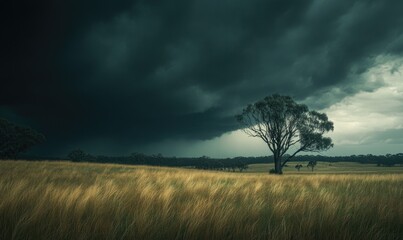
<point x="41" y="200"/>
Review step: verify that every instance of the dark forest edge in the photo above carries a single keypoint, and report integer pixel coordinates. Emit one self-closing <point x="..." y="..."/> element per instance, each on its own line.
<point x="225" y="164"/>
<point x="15" y="140"/>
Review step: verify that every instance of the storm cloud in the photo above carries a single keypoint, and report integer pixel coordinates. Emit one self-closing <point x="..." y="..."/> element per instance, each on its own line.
<point x="125" y="74"/>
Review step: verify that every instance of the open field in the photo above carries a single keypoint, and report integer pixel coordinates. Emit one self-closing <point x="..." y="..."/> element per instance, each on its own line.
<point x="52" y="200"/>
<point x="326" y="167"/>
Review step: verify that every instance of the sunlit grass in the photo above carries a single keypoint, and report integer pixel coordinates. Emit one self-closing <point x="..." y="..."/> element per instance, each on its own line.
<point x="43" y="200"/>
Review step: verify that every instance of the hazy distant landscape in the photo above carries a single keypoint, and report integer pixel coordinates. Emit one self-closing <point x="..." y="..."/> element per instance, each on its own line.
<point x="61" y="200"/>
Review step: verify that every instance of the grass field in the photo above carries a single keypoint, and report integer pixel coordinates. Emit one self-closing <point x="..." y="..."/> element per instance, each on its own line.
<point x="52" y="200"/>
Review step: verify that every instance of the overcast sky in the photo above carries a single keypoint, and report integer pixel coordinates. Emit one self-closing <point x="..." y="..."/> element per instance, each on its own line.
<point x="115" y="77"/>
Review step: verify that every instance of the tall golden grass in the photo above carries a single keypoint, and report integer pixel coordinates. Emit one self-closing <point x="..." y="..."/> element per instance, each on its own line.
<point x="44" y="200"/>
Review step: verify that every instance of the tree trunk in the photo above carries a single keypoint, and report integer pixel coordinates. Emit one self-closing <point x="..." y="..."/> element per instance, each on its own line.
<point x="277" y="165"/>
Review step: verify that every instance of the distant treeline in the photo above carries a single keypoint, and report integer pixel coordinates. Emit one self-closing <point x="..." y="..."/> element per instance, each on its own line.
<point x="204" y="162"/>
<point x="226" y="164"/>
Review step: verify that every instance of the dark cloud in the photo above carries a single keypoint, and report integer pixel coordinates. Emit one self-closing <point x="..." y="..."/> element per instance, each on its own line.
<point x="137" y="72"/>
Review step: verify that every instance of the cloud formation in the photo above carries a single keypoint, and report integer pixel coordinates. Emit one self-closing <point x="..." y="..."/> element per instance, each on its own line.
<point x="131" y="73"/>
<point x="372" y="117"/>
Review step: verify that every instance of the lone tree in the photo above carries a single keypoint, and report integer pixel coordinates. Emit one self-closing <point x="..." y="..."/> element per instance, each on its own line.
<point x="15" y="139"/>
<point x="311" y="164"/>
<point x="282" y="124"/>
<point x="298" y="166"/>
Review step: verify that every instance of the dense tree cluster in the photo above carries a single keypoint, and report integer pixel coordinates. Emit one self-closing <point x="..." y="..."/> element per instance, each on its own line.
<point x="15" y="139"/>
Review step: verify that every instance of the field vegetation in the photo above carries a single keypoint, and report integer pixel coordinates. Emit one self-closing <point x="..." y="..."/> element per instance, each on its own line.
<point x="62" y="200"/>
<point x="329" y="167"/>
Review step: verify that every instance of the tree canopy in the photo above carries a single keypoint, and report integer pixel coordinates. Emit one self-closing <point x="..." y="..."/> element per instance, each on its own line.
<point x="15" y="139"/>
<point x="283" y="125"/>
